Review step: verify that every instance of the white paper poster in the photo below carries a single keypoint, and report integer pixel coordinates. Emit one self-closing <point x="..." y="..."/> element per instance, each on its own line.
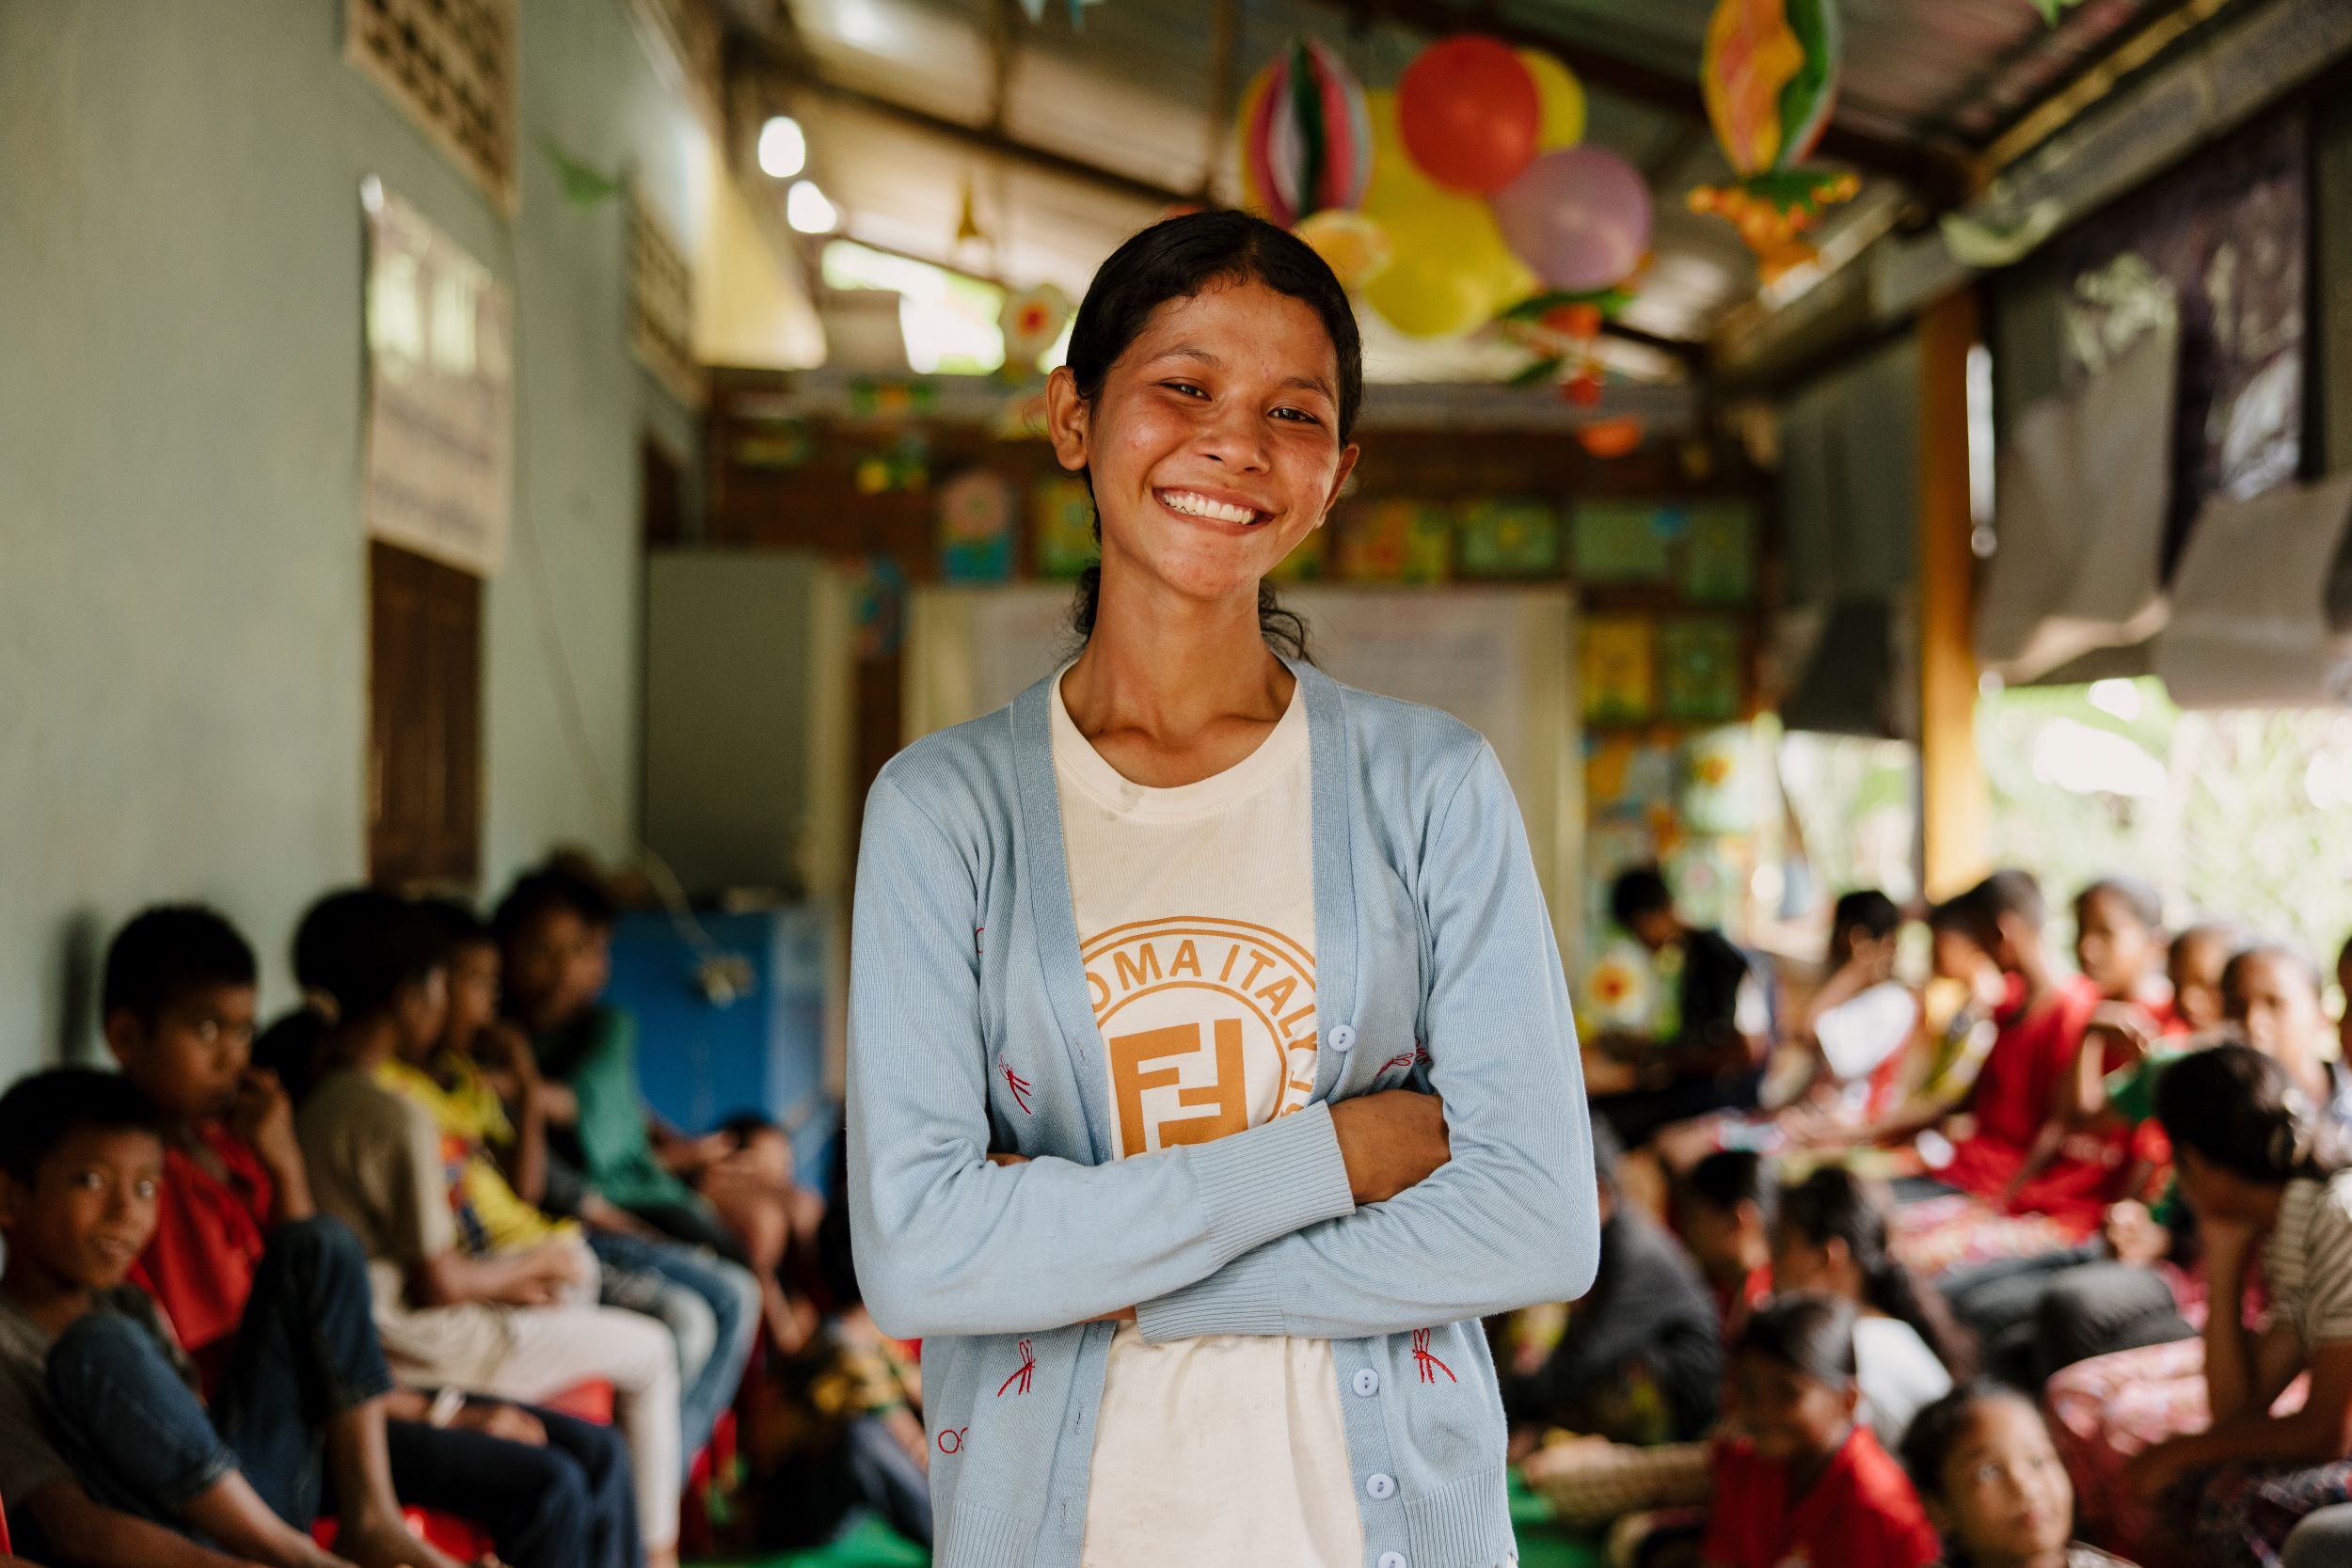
<point x="438" y="476"/>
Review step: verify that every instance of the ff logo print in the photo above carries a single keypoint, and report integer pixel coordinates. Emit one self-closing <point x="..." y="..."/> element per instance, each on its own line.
<point x="1194" y="1012"/>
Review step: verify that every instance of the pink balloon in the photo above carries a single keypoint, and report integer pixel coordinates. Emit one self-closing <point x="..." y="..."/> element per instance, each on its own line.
<point x="1580" y="218"/>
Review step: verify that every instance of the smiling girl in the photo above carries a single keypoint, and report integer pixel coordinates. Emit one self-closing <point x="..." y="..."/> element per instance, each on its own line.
<point x="1191" y="939"/>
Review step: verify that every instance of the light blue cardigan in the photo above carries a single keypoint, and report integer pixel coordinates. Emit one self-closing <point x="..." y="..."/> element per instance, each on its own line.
<point x="971" y="1029"/>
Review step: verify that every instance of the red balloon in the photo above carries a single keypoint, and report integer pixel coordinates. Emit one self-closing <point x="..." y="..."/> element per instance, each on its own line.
<point x="1469" y="113"/>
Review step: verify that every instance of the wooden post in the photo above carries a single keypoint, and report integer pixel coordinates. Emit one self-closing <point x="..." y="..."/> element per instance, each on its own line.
<point x="1953" y="809"/>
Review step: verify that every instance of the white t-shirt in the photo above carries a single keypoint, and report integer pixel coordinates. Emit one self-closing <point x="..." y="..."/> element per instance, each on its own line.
<point x="1899" y="1375"/>
<point x="1197" y="921"/>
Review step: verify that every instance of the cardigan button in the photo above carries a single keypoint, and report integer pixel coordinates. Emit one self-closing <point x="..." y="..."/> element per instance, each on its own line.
<point x="1342" y="1036"/>
<point x="1367" y="1383"/>
<point x="1391" y="1559"/>
<point x="1379" y="1488"/>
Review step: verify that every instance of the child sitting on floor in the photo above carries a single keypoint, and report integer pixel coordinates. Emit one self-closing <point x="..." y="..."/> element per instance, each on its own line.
<point x="553" y="929"/>
<point x="2269" y="1186"/>
<point x="1831" y="1238"/>
<point x="1725" y="1207"/>
<point x="177" y="1002"/>
<point x="1806" y="1482"/>
<point x="710" y="1305"/>
<point x="1984" y="1464"/>
<point x="1641" y="1357"/>
<point x="106" y="1446"/>
<point x="451" y="1317"/>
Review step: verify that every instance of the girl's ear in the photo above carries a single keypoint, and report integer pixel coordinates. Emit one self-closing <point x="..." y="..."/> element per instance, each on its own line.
<point x="1067" y="419"/>
<point x="1850" y="1397"/>
<point x="1339" y="480"/>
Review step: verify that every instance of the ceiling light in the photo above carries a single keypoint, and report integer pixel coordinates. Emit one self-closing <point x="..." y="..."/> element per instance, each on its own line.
<point x="806" y="209"/>
<point x="783" y="149"/>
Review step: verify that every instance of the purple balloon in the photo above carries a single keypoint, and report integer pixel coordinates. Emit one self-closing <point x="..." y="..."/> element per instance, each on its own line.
<point x="1580" y="218"/>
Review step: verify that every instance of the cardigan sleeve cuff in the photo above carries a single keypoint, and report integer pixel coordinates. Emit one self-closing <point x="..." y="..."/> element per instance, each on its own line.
<point x="1276" y="1179"/>
<point x="1239" y="1298"/>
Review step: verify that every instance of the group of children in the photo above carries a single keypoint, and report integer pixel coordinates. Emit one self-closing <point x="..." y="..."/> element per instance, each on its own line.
<point x="1976" y="1272"/>
<point x="417" y="1246"/>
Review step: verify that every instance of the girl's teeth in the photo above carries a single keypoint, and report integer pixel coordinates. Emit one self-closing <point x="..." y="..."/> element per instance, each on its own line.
<point x="1201" y="506"/>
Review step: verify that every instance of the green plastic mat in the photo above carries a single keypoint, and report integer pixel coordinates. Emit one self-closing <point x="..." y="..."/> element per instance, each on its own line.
<point x="874" y="1545"/>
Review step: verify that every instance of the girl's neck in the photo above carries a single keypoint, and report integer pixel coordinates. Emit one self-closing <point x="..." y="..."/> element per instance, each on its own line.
<point x="2034" y="970"/>
<point x="1169" y="666"/>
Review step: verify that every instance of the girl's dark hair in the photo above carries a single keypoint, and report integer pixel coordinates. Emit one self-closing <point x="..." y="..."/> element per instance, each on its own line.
<point x="1178" y="259"/>
<point x="2264" y="951"/>
<point x="291" y="1048"/>
<point x="2145" y="904"/>
<point x="459" y="926"/>
<point x="2242" y="1114"/>
<point x="1869" y="909"/>
<point x="1809" y="1333"/>
<point x="1730" y="1177"/>
<point x="361" y="949"/>
<point x="1833" y="1204"/>
<point x="1935" y="1431"/>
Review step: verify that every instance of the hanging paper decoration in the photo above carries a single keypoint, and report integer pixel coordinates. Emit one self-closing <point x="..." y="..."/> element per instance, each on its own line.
<point x="1607" y="438"/>
<point x="1354" y="245"/>
<point x="1580" y="218"/>
<point x="1305" y="135"/>
<point x="1032" y="320"/>
<point x="870" y="399"/>
<point x="1470" y="113"/>
<point x="1769" y="78"/>
<point x="1561" y="97"/>
<point x="1773" y="212"/>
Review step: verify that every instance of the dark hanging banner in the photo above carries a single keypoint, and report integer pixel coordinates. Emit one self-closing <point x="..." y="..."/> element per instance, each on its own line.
<point x="2227" y="236"/>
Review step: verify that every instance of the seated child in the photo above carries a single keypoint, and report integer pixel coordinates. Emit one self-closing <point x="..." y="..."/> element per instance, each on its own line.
<point x="710" y="1305"/>
<point x="2119" y="938"/>
<point x="1641" y="1359"/>
<point x="177" y="1002"/>
<point x="2270" y="1188"/>
<point x="2021" y="1157"/>
<point x="553" y="927"/>
<point x="1831" y="1238"/>
<point x="1725" y="1207"/>
<point x="1845" y="1063"/>
<point x="106" y="1446"/>
<point x="1803" y="1480"/>
<point x="1717" y="1020"/>
<point x="450" y="1316"/>
<point x="1982" y="1463"/>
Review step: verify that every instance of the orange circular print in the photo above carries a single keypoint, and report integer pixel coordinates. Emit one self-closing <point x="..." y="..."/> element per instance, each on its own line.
<point x="1210" y="1024"/>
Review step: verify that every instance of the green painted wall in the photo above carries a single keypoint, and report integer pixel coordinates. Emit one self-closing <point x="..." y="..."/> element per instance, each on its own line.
<point x="183" y="611"/>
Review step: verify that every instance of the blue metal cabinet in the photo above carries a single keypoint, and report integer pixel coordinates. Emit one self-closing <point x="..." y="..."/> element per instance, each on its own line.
<point x="700" y="1061"/>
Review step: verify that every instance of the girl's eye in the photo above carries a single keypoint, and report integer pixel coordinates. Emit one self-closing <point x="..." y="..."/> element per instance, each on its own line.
<point x="146" y="1189"/>
<point x="88" y="1180"/>
<point x="208" y="1032"/>
<point x="1297" y="415"/>
<point x="1184" y="389"/>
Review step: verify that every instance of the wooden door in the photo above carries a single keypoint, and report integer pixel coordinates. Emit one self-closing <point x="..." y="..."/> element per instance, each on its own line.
<point x="424" y="720"/>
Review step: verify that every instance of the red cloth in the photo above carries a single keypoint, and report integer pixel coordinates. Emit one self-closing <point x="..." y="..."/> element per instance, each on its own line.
<point x="2014" y="1099"/>
<point x="210" y="1234"/>
<point x="1861" y="1514"/>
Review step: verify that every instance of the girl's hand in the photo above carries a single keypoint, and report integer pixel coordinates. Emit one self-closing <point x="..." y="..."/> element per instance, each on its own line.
<point x="1391" y="1141"/>
<point x="509" y="1423"/>
<point x="264" y="1117"/>
<point x="2133" y="1236"/>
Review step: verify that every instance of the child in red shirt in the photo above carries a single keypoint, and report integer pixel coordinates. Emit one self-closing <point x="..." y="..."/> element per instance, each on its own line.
<point x="2023" y="1157"/>
<point x="1804" y="1485"/>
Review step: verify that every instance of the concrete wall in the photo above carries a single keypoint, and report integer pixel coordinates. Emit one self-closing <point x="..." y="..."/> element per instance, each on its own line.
<point x="183" y="599"/>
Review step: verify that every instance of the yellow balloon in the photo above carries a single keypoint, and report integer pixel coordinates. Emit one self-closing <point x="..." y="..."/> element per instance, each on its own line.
<point x="1395" y="178"/>
<point x="1561" y="97"/>
<point x="1422" y="296"/>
